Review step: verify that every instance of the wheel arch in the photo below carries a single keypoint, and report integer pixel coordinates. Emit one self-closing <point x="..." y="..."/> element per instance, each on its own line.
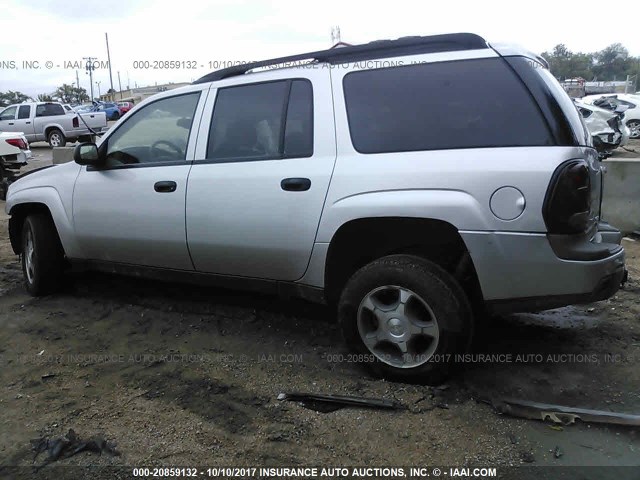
<point x="360" y="241"/>
<point x="49" y="128"/>
<point x="18" y="215"/>
<point x="40" y="200"/>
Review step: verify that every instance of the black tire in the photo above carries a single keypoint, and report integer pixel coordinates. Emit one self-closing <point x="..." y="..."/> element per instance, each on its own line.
<point x="116" y="116"/>
<point x="56" y="138"/>
<point x="44" y="268"/>
<point x="4" y="184"/>
<point x="431" y="286"/>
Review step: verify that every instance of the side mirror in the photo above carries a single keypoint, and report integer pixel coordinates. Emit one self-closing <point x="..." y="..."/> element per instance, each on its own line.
<point x="87" y="154"/>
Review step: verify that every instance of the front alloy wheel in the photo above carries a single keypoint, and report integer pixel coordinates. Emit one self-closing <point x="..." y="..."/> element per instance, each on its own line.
<point x="634" y="128"/>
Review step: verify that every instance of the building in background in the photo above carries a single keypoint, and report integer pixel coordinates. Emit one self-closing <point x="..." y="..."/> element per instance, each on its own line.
<point x="136" y="95"/>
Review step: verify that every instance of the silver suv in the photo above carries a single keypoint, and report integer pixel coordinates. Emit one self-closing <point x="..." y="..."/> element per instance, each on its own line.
<point x="414" y="184"/>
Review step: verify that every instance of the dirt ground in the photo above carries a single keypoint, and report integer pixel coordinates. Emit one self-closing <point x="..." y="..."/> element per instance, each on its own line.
<point x="179" y="375"/>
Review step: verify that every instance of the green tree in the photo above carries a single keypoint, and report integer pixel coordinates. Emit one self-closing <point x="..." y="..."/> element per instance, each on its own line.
<point x="612" y="62"/>
<point x="10" y="97"/>
<point x="563" y="63"/>
<point x="70" y="94"/>
<point x="45" y="97"/>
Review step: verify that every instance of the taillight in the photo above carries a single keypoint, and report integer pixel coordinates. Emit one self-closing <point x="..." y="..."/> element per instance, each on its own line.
<point x="18" y="142"/>
<point x="567" y="204"/>
<point x="76" y="122"/>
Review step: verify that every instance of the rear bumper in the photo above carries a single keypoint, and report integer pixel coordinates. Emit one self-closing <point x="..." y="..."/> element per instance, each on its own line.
<point x="605" y="288"/>
<point x="520" y="272"/>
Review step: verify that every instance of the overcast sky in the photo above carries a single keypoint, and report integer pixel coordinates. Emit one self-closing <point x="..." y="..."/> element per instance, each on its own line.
<point x="234" y="30"/>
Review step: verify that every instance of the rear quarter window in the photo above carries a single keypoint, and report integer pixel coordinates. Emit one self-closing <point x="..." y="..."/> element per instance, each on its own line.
<point x="445" y="105"/>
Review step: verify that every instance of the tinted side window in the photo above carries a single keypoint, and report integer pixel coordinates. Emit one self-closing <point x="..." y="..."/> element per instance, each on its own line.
<point x="24" y="111"/>
<point x="157" y="133"/>
<point x="49" y="110"/>
<point x="8" y="113"/>
<point x="461" y="104"/>
<point x="262" y="121"/>
<point x="298" y="136"/>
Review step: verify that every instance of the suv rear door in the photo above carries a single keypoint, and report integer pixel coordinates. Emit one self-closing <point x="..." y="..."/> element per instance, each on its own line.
<point x="132" y="210"/>
<point x="264" y="159"/>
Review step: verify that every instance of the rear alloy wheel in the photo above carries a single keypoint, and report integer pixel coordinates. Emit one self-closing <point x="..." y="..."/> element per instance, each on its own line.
<point x="42" y="255"/>
<point x="634" y="128"/>
<point x="56" y="138"/>
<point x="407" y="318"/>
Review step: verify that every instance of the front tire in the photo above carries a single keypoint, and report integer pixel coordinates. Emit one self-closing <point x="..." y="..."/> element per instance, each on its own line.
<point x="42" y="255"/>
<point x="56" y="138"/>
<point x="634" y="128"/>
<point x="4" y="183"/>
<point x="407" y="317"/>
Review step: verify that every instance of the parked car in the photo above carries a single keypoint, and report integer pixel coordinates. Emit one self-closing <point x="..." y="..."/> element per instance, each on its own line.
<point x="49" y="121"/>
<point x="14" y="154"/>
<point x="112" y="110"/>
<point x="85" y="108"/>
<point x="612" y="101"/>
<point x="413" y="195"/>
<point x="125" y="106"/>
<point x="607" y="126"/>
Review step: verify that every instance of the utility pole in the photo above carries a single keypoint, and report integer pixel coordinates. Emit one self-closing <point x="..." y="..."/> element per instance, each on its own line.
<point x="109" y="60"/>
<point x="335" y="35"/>
<point x="77" y="81"/>
<point x="90" y="68"/>
<point x="99" y="95"/>
<point x="120" y="85"/>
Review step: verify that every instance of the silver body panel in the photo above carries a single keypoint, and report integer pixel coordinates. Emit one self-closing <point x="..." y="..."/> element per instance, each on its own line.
<point x="239" y="220"/>
<point x="234" y="219"/>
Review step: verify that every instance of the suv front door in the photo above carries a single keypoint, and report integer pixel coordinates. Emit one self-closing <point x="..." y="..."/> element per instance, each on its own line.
<point x="132" y="210"/>
<point x="263" y="164"/>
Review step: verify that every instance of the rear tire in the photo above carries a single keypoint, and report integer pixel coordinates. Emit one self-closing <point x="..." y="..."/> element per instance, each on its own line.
<point x="407" y="318"/>
<point x="56" y="138"/>
<point x="42" y="255"/>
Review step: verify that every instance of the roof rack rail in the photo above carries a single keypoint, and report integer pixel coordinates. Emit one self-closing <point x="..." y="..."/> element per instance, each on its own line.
<point x="377" y="49"/>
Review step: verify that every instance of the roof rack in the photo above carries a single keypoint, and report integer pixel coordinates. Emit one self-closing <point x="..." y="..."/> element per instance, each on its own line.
<point x="377" y="49"/>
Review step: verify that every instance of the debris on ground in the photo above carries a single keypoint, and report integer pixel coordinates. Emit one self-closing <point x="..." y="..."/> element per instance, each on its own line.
<point x="527" y="457"/>
<point x="557" y="452"/>
<point x="560" y="414"/>
<point x="330" y="403"/>
<point x="70" y="445"/>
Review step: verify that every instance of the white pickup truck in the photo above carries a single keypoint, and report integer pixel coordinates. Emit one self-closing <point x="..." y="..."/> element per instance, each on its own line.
<point x="50" y="122"/>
